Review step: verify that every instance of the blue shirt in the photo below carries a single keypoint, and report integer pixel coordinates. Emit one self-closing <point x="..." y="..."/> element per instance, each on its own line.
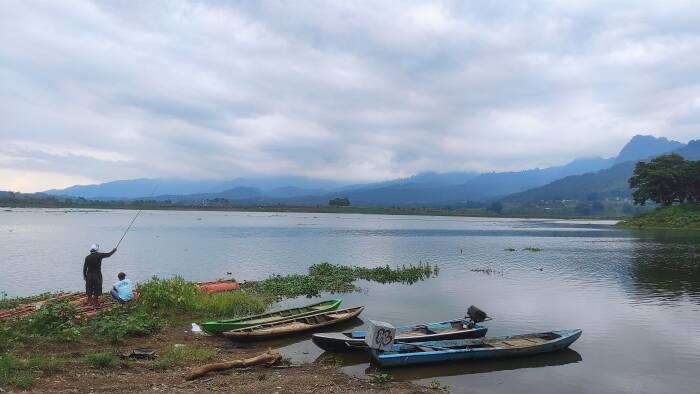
<point x="124" y="289"/>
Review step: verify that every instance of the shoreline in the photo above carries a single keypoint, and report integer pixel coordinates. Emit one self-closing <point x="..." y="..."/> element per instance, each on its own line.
<point x="433" y="212"/>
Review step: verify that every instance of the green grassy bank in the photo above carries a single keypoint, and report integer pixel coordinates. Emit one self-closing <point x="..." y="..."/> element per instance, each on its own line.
<point x="686" y="216"/>
<point x="162" y="303"/>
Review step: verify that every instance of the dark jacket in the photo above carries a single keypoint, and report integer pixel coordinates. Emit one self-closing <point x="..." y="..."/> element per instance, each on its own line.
<point x="93" y="263"/>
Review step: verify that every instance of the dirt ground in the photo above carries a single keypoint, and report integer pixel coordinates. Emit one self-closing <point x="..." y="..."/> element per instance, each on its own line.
<point x="136" y="376"/>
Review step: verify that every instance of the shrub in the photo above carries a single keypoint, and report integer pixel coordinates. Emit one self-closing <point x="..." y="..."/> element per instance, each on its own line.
<point x="101" y="359"/>
<point x="121" y="323"/>
<point x="57" y="320"/>
<point x="174" y="294"/>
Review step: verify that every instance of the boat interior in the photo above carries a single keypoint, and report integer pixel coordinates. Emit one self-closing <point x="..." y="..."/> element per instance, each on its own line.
<point x="516" y="342"/>
<point x="317" y="319"/>
<point x="434" y="328"/>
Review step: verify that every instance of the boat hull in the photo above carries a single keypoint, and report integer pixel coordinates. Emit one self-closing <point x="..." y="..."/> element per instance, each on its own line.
<point x="218" y="327"/>
<point x="294" y="326"/>
<point x="355" y="340"/>
<point x="476" y="349"/>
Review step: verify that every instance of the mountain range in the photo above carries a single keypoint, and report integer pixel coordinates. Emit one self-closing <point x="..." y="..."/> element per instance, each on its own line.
<point x="604" y="177"/>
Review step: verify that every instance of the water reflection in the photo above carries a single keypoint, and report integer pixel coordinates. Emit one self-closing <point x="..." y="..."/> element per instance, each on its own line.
<point x="665" y="266"/>
<point x="356" y="363"/>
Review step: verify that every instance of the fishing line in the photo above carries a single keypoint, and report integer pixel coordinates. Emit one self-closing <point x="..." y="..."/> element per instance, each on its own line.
<point x="134" y="219"/>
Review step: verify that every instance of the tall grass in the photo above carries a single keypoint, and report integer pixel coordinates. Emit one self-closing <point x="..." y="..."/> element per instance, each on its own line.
<point x="177" y="295"/>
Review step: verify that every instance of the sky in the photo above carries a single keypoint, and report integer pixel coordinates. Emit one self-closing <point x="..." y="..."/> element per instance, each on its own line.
<point x="353" y="91"/>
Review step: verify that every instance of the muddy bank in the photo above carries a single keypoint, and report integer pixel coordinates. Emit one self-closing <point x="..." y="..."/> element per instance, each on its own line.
<point x="78" y="374"/>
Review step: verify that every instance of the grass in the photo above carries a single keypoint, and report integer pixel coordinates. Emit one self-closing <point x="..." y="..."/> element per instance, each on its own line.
<point x="685" y="216"/>
<point x="102" y="359"/>
<point x="18" y="373"/>
<point x="326" y="277"/>
<point x="532" y="249"/>
<point x="177" y="355"/>
<point x="12" y="373"/>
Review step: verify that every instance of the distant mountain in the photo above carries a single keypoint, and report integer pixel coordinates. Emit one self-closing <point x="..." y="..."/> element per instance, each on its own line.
<point x="582" y="176"/>
<point x="138" y="188"/>
<point x="607" y="183"/>
<point x="430" y="189"/>
<point x="642" y="146"/>
<point x="288" y="186"/>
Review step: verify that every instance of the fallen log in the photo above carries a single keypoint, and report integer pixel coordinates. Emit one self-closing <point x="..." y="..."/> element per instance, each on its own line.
<point x="269" y="358"/>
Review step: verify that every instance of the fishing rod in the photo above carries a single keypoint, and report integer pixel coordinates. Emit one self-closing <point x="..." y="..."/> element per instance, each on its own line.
<point x="134" y="219"/>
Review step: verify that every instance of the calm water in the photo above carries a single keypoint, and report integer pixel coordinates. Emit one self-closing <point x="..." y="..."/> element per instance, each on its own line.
<point x="635" y="295"/>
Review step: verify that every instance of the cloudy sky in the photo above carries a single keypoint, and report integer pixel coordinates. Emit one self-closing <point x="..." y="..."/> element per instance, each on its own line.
<point x="360" y="91"/>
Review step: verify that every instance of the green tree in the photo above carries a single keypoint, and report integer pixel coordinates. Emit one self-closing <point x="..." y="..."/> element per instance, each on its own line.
<point x="496" y="207"/>
<point x="692" y="177"/>
<point x="662" y="180"/>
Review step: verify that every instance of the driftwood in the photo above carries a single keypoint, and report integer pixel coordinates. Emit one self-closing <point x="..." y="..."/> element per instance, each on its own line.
<point x="269" y="357"/>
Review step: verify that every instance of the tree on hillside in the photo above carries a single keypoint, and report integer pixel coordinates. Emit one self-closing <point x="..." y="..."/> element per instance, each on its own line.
<point x="662" y="180"/>
<point x="496" y="207"/>
<point x="693" y="180"/>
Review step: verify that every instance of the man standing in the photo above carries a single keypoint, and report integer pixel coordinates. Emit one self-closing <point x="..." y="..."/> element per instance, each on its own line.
<point x="122" y="290"/>
<point x="92" y="273"/>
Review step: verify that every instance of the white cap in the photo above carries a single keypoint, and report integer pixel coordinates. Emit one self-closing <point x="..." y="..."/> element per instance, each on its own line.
<point x="94" y="247"/>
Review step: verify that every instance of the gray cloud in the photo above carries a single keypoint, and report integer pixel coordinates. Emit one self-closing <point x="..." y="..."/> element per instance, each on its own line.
<point x="359" y="91"/>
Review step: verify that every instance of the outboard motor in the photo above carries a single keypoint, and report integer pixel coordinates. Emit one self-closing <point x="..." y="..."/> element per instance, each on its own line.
<point x="476" y="315"/>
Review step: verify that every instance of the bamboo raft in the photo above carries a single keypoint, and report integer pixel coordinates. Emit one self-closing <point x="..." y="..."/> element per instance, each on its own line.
<point x="79" y="300"/>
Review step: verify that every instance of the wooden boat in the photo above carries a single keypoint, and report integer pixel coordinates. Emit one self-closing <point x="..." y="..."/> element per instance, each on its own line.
<point x="475" y="349"/>
<point x="293" y="326"/>
<point x="219" y="326"/>
<point x="353" y="340"/>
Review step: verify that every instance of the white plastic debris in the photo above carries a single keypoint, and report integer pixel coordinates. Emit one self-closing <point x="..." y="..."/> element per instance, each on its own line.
<point x="197" y="330"/>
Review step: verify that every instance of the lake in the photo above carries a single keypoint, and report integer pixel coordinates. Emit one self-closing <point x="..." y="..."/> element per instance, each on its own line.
<point x="636" y="295"/>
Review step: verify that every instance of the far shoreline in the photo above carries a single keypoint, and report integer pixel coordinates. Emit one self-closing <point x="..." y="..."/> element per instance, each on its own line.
<point x="362" y="210"/>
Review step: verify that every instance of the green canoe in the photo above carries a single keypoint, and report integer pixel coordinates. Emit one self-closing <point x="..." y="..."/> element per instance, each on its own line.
<point x="219" y="326"/>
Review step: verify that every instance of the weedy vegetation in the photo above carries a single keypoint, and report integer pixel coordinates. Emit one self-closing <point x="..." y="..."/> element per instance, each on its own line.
<point x="437" y="386"/>
<point x="326" y="277"/>
<point x="379" y="378"/>
<point x="102" y="359"/>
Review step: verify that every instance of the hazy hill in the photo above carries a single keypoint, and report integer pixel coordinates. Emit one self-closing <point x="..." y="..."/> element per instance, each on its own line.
<point x="164" y="188"/>
<point x="643" y="146"/>
<point x="608" y="183"/>
<point x="578" y="178"/>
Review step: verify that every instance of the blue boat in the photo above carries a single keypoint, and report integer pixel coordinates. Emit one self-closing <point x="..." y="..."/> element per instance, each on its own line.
<point x="353" y="340"/>
<point x="474" y="349"/>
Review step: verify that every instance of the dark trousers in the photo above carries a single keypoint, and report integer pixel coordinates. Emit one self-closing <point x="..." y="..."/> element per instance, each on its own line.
<point x="115" y="295"/>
